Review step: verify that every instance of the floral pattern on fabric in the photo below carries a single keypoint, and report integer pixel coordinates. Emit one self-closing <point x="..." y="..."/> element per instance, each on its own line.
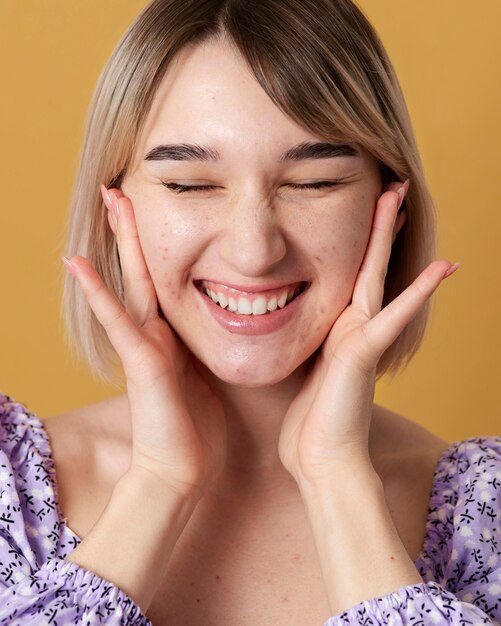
<point x="37" y="586"/>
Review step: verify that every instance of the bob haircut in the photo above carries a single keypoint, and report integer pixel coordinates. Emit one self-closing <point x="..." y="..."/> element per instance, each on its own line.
<point x="320" y="62"/>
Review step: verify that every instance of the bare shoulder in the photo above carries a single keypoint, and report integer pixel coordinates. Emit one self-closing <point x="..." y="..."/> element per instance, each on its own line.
<point x="89" y="433"/>
<point x="91" y="451"/>
<point x="406" y="460"/>
<point x="405" y="447"/>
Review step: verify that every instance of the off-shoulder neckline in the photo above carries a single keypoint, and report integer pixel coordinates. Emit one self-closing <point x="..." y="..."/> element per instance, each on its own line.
<point x="44" y="445"/>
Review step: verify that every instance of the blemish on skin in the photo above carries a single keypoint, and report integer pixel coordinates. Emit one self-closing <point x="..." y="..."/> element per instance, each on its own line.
<point x="268" y="580"/>
<point x="284" y="599"/>
<point x="198" y="599"/>
<point x="322" y="310"/>
<point x="323" y="249"/>
<point x="355" y="243"/>
<point x="296" y="557"/>
<point x="218" y="578"/>
<point x="286" y="534"/>
<point x="317" y="258"/>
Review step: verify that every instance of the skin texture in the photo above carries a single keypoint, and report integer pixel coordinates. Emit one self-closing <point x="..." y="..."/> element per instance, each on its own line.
<point x="285" y="425"/>
<point x="253" y="229"/>
<point x="219" y="416"/>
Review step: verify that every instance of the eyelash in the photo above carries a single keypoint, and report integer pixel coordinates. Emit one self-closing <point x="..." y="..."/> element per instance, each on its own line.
<point x="184" y="188"/>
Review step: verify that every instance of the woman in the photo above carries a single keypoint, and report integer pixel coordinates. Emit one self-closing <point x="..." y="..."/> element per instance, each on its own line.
<point x="260" y="252"/>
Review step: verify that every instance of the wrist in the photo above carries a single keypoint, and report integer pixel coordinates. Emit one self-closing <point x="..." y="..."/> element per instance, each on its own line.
<point x="359" y="549"/>
<point x="341" y="480"/>
<point x="139" y="479"/>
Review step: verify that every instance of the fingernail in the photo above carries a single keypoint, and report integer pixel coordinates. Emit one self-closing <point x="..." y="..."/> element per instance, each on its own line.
<point x="451" y="270"/>
<point x="106" y="196"/>
<point x="68" y="265"/>
<point x="401" y="192"/>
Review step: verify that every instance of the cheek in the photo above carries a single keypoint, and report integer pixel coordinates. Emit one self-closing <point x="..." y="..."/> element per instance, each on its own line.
<point x="169" y="248"/>
<point x="339" y="247"/>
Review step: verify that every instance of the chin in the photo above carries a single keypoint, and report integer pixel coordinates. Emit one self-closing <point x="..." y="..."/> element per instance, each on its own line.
<point x="252" y="372"/>
<point x="248" y="377"/>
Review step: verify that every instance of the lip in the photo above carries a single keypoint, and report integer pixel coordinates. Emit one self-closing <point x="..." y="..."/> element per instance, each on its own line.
<point x="254" y="324"/>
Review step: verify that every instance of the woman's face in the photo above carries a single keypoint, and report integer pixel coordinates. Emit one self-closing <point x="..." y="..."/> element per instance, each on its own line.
<point x="248" y="235"/>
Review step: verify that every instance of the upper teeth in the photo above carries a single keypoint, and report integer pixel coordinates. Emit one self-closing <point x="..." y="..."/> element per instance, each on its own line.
<point x="258" y="306"/>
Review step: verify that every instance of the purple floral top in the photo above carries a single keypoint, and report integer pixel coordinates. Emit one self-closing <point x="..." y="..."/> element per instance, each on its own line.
<point x="460" y="563"/>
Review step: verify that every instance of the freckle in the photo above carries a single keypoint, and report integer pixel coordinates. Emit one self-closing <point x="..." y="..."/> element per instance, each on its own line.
<point x="268" y="580"/>
<point x="164" y="257"/>
<point x="322" y="310"/>
<point x="198" y="599"/>
<point x="286" y="534"/>
<point x="218" y="578"/>
<point x="355" y="243"/>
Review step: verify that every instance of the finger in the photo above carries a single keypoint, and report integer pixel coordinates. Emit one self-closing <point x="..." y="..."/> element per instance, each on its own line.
<point x="369" y="287"/>
<point x="139" y="292"/>
<point x="112" y="218"/>
<point x="123" y="333"/>
<point x="382" y="330"/>
<point x="398" y="224"/>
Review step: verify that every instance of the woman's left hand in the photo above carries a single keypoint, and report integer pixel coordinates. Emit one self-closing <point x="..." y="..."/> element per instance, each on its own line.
<point x="328" y="423"/>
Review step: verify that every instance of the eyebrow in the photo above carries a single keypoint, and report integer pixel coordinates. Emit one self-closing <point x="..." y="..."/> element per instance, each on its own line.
<point x="300" y="152"/>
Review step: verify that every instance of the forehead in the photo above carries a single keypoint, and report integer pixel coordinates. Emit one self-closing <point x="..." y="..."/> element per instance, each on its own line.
<point x="209" y="96"/>
<point x="209" y="90"/>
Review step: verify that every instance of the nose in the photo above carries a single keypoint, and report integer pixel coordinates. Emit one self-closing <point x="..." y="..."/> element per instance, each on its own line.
<point x="253" y="241"/>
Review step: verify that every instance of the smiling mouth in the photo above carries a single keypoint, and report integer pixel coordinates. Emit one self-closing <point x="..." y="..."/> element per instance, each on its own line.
<point x="247" y="303"/>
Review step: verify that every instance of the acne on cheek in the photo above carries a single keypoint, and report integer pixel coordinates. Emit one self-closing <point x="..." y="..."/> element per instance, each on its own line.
<point x="169" y="286"/>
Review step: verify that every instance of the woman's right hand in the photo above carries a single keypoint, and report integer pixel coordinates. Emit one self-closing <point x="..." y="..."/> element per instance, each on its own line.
<point x="178" y="423"/>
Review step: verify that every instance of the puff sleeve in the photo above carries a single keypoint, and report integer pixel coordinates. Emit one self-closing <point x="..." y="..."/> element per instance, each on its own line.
<point x="37" y="586"/>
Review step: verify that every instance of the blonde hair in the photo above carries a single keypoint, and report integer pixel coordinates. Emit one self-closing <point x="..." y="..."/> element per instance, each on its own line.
<point x="321" y="63"/>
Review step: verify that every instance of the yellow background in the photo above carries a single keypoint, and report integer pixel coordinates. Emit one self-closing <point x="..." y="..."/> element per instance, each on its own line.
<point x="447" y="55"/>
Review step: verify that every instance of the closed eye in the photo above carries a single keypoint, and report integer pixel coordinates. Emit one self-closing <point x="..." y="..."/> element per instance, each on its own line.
<point x="176" y="188"/>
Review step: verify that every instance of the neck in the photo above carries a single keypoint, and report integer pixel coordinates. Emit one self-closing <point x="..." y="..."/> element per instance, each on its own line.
<point x="254" y="417"/>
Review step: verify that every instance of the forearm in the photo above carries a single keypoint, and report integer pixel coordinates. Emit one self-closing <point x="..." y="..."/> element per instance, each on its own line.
<point x="131" y="543"/>
<point x="360" y="552"/>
